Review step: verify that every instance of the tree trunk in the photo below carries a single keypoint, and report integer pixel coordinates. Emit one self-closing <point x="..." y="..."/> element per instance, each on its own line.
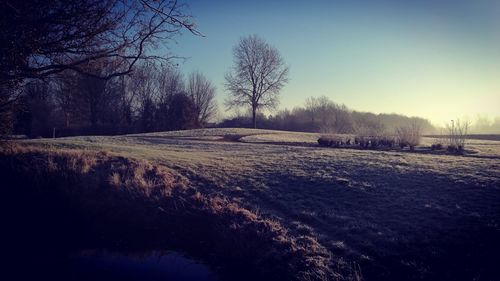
<point x="254" y="119"/>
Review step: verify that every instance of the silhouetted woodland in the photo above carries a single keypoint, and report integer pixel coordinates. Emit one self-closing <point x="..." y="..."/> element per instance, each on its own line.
<point x="151" y="98"/>
<point x="322" y="115"/>
<point x="62" y="65"/>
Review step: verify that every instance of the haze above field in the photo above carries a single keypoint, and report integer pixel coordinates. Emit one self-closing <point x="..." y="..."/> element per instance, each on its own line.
<point x="434" y="59"/>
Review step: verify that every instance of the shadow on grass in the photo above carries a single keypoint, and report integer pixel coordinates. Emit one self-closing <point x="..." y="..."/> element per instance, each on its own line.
<point x="59" y="201"/>
<point x="402" y="226"/>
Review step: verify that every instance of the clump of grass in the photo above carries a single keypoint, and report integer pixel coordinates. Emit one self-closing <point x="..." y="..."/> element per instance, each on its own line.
<point x="115" y="179"/>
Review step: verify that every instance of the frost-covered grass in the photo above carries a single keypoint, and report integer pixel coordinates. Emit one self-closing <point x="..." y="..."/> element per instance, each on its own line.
<point x="283" y="137"/>
<point x="63" y="199"/>
<point x="209" y="132"/>
<point x="398" y="215"/>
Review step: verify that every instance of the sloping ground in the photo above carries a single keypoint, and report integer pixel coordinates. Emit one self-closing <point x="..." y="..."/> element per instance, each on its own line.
<point x="398" y="216"/>
<point x="64" y="200"/>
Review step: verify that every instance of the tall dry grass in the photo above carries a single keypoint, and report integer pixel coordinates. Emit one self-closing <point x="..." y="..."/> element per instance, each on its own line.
<point x="143" y="203"/>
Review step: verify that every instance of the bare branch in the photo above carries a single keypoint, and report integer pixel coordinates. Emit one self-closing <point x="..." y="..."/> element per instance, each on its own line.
<point x="42" y="38"/>
<point x="258" y="75"/>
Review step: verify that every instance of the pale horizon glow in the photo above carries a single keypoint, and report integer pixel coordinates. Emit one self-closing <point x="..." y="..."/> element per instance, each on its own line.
<point x="438" y="60"/>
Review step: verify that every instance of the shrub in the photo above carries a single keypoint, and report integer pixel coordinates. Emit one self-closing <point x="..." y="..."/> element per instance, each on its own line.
<point x="387" y="141"/>
<point x="436" y="146"/>
<point x="324" y="141"/>
<point x="457" y="136"/>
<point x="409" y="135"/>
<point x="362" y="141"/>
<point x="335" y="141"/>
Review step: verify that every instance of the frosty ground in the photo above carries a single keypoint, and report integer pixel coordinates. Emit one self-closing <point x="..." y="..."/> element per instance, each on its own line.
<point x="394" y="215"/>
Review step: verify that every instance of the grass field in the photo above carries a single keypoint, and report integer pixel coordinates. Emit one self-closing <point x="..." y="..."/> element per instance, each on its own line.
<point x="371" y="215"/>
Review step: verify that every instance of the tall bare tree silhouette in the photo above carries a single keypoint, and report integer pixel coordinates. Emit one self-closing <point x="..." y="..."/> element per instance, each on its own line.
<point x="202" y="92"/>
<point x="258" y="75"/>
<point x="40" y="38"/>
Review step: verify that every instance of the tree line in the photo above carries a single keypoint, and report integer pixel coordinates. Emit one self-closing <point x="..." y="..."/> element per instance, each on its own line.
<point x="94" y="67"/>
<point x="322" y="115"/>
<point x="151" y="98"/>
<point x="63" y="63"/>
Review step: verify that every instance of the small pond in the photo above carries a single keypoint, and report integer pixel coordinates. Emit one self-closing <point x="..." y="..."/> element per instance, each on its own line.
<point x="124" y="266"/>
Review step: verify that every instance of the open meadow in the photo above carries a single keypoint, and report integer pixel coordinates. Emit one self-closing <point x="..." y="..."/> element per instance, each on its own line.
<point x="346" y="214"/>
<point x="126" y="152"/>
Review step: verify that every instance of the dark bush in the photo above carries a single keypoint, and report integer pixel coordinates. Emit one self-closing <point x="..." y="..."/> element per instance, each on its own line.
<point x="437" y="146"/>
<point x="455" y="149"/>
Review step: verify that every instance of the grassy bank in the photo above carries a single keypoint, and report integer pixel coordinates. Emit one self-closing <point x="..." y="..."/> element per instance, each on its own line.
<point x="61" y="199"/>
<point x="395" y="215"/>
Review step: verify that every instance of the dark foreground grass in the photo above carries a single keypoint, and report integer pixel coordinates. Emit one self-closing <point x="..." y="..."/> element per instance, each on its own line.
<point x="68" y="199"/>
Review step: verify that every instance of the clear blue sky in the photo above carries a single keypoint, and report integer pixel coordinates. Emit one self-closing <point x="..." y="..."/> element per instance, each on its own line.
<point x="430" y="58"/>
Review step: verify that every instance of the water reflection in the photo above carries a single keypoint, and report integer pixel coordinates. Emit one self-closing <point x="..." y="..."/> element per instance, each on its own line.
<point x="128" y="266"/>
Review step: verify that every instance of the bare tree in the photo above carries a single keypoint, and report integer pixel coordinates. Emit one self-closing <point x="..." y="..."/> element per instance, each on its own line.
<point x="327" y="116"/>
<point x="457" y="135"/>
<point x="65" y="92"/>
<point x="202" y="92"/>
<point x="143" y="89"/>
<point x="142" y="84"/>
<point x="325" y="111"/>
<point x="409" y="135"/>
<point x="91" y="98"/>
<point x="258" y="75"/>
<point x="311" y="107"/>
<point x="41" y="38"/>
<point x="170" y="82"/>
